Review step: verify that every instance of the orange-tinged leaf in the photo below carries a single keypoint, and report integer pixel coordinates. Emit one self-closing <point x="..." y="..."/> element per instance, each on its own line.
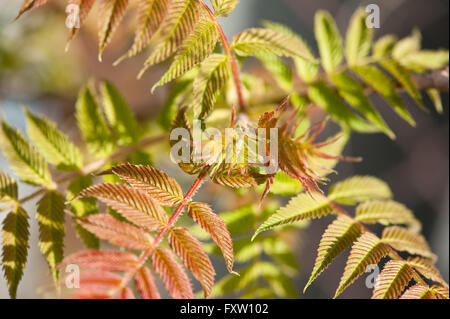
<point x="366" y="251"/>
<point x="157" y="184"/>
<point x="418" y="291"/>
<point x="191" y="252"/>
<point x="173" y="275"/>
<point x="125" y="293"/>
<point x="30" y="4"/>
<point x="146" y="284"/>
<point x="202" y="214"/>
<point x="102" y="260"/>
<point x="394" y="277"/>
<point x="339" y="235"/>
<point x="424" y="267"/>
<point x="84" y="7"/>
<point x="110" y="15"/>
<point x="131" y="203"/>
<point x="151" y="15"/>
<point x="96" y="280"/>
<point x="178" y="24"/>
<point x="117" y="233"/>
<point x="404" y="240"/>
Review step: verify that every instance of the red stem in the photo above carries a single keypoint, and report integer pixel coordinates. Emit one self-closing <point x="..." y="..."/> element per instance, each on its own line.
<point x="233" y="62"/>
<point x="187" y="197"/>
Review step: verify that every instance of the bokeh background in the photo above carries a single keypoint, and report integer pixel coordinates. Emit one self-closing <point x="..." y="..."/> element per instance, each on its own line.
<point x="35" y="70"/>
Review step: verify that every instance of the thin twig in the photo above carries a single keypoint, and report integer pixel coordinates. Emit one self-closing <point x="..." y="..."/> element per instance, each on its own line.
<point x="230" y="54"/>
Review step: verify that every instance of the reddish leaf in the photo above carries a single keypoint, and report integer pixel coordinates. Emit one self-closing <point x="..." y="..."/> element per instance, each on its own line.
<point x="99" y="281"/>
<point x="30" y="4"/>
<point x="191" y="252"/>
<point x="102" y="260"/>
<point x="173" y="275"/>
<point x="117" y="233"/>
<point x="160" y="186"/>
<point x="85" y="7"/>
<point x="146" y="284"/>
<point x="202" y="214"/>
<point x="125" y="293"/>
<point x="132" y="204"/>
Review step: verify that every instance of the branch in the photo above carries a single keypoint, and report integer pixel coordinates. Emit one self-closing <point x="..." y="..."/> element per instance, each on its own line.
<point x="438" y="79"/>
<point x="186" y="199"/>
<point x="233" y="62"/>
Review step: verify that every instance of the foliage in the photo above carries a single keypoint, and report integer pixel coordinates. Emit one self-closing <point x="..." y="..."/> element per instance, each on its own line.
<point x="144" y="203"/>
<point x="374" y="206"/>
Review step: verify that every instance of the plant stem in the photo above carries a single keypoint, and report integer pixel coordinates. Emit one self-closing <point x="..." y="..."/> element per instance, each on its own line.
<point x="143" y="258"/>
<point x="230" y="54"/>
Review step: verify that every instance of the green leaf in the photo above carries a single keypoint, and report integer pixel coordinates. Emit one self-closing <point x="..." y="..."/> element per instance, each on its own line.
<point x="329" y="40"/>
<point x="280" y="251"/>
<point x="384" y="46"/>
<point x="24" y="158"/>
<point x="178" y="24"/>
<point x="359" y="189"/>
<point x="279" y="282"/>
<point x="83" y="207"/>
<point x="384" y="85"/>
<point x="425" y="60"/>
<point x="197" y="47"/>
<point x="435" y="96"/>
<point x="353" y="92"/>
<point x="119" y="115"/>
<point x="339" y="235"/>
<point x="404" y="78"/>
<point x="151" y="15"/>
<point x="328" y="100"/>
<point x="15" y="242"/>
<point x="366" y="251"/>
<point x="140" y="158"/>
<point x="8" y="187"/>
<point x="213" y="75"/>
<point x="257" y="40"/>
<point x="281" y="72"/>
<point x="54" y="145"/>
<point x="92" y="125"/>
<point x="386" y="212"/>
<point x="285" y="185"/>
<point x="358" y="39"/>
<point x="407" y="45"/>
<point x="306" y="69"/>
<point x="50" y="217"/>
<point x="111" y="13"/>
<point x="224" y="7"/>
<point x="303" y="206"/>
<point x="245" y="250"/>
<point x="241" y="220"/>
<point x="179" y="93"/>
